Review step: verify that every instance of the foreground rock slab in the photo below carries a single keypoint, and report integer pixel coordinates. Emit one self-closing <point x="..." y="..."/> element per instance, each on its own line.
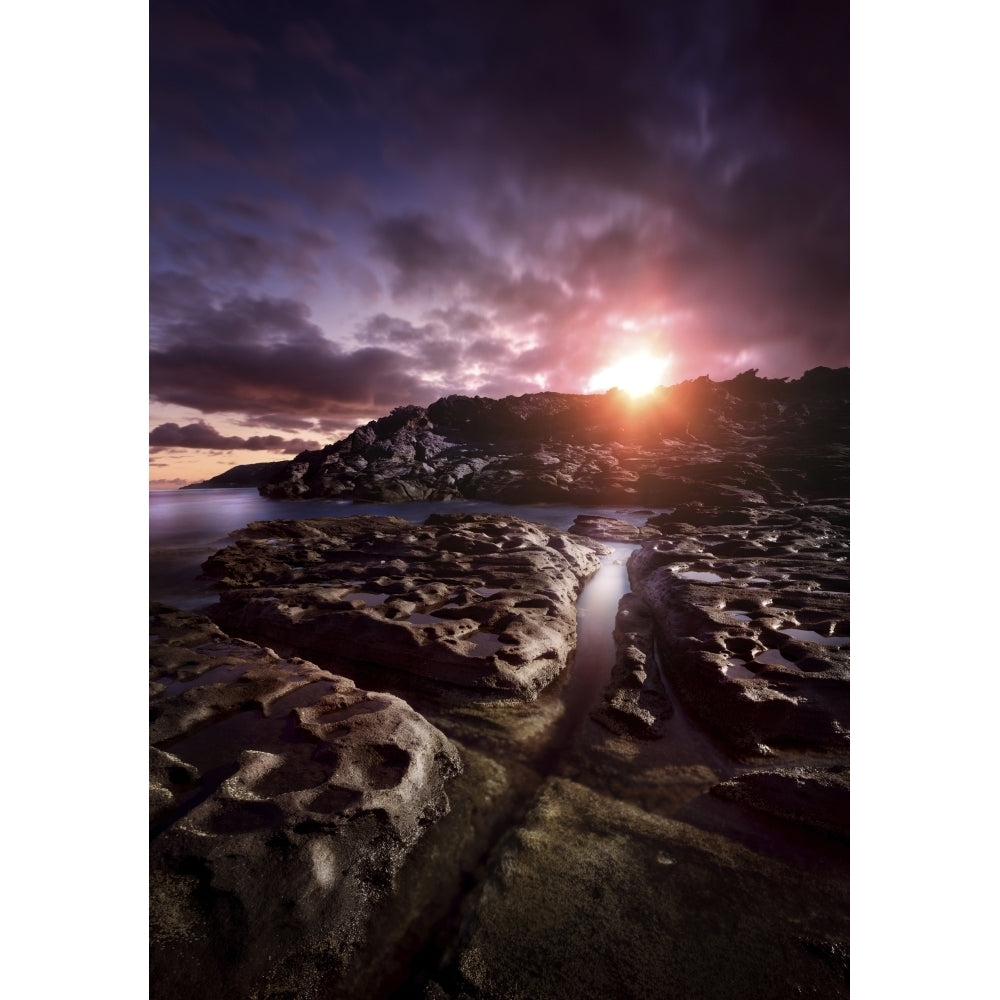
<point x="592" y="898"/>
<point x="813" y="797"/>
<point x="283" y="803"/>
<point x="479" y="601"/>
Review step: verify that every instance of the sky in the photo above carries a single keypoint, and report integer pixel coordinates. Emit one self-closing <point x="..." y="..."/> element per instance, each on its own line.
<point x="357" y="205"/>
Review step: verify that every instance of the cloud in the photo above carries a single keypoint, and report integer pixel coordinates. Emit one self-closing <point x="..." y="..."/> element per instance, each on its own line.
<point x="203" y="435"/>
<point x="233" y="241"/>
<point x="281" y="421"/>
<point x="488" y="197"/>
<point x="260" y="355"/>
<point x="457" y="346"/>
<point x="427" y="256"/>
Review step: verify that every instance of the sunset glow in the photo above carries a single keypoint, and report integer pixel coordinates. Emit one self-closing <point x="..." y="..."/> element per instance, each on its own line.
<point x="638" y="375"/>
<point x="353" y="211"/>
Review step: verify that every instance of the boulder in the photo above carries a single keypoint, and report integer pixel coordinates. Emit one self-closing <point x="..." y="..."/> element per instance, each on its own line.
<point x="284" y="800"/>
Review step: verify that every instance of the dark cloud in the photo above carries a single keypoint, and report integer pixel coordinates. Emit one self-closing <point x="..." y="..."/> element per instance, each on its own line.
<point x="203" y="435"/>
<point x="282" y="421"/>
<point x="230" y="244"/>
<point x="385" y="329"/>
<point x="483" y="195"/>
<point x="263" y="355"/>
<point x="428" y="258"/>
<point x="455" y="346"/>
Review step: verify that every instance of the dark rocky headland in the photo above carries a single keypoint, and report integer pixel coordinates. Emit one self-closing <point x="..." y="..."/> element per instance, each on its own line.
<point x="242" y="476"/>
<point x="377" y="769"/>
<point x="748" y="436"/>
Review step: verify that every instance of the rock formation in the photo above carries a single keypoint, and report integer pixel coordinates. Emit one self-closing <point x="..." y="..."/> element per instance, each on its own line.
<point x="479" y="601"/>
<point x="752" y="620"/>
<point x="746" y="437"/>
<point x="243" y="476"/>
<point x="283" y="801"/>
<point x="675" y="819"/>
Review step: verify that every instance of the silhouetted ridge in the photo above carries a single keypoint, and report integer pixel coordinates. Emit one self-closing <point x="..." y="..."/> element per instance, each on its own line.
<point x="242" y="476"/>
<point x="746" y="434"/>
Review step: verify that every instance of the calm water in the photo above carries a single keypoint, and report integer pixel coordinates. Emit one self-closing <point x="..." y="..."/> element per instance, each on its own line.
<point x="187" y="526"/>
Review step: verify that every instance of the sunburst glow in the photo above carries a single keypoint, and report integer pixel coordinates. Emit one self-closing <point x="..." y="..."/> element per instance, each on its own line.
<point x="638" y="374"/>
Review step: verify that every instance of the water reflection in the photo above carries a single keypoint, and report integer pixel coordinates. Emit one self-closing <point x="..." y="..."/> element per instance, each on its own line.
<point x="699" y="576"/>
<point x="735" y="667"/>
<point x="821" y="640"/>
<point x="370" y="599"/>
<point x="595" y="622"/>
<point x="773" y="657"/>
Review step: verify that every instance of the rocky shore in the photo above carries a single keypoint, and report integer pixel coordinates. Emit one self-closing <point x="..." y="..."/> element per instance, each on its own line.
<point x="367" y="774"/>
<point x="283" y="800"/>
<point x="748" y="437"/>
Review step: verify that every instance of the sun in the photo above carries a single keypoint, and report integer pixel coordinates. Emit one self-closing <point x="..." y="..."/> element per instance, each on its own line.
<point x="638" y="375"/>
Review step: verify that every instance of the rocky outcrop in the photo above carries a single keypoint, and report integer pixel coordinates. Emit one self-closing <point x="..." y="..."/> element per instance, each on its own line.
<point x="748" y="438"/>
<point x="283" y="803"/>
<point x="813" y="797"/>
<point x="612" y="529"/>
<point x="312" y="838"/>
<point x="243" y="476"/>
<point x="752" y="620"/>
<point x="635" y="702"/>
<point x="486" y="602"/>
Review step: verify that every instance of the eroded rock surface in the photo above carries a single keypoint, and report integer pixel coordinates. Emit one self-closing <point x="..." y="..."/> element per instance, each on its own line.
<point x="635" y="702"/>
<point x="752" y="612"/>
<point x="592" y="898"/>
<point x="486" y="602"/>
<point x="815" y="797"/>
<point x="283" y="802"/>
<point x="611" y="529"/>
<point x="727" y="707"/>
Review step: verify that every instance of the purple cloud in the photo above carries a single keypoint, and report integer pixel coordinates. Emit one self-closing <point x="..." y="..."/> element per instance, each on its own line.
<point x="203" y="435"/>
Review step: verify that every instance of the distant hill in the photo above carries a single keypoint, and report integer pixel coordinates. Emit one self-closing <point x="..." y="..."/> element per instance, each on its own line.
<point x="750" y="436"/>
<point x="241" y="476"/>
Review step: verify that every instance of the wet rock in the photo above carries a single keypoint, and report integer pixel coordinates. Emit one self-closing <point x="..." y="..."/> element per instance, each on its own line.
<point x="477" y="601"/>
<point x="815" y="797"/>
<point x="279" y="820"/>
<point x="592" y="898"/>
<point x="168" y="776"/>
<point x="733" y="623"/>
<point x="635" y="702"/>
<point x="611" y="529"/>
